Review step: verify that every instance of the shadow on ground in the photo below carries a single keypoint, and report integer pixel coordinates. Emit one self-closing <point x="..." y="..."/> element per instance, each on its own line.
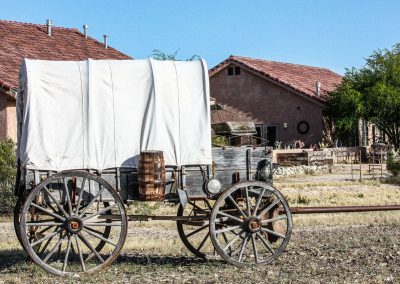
<point x="12" y="257"/>
<point x="164" y="260"/>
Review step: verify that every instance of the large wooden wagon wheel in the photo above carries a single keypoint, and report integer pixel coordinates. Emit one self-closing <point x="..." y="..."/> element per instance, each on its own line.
<point x="33" y="237"/>
<point x="73" y="222"/>
<point x="195" y="233"/>
<point x="250" y="224"/>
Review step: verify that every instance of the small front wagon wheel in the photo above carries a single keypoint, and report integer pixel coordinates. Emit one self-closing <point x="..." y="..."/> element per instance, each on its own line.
<point x="73" y="222"/>
<point x="195" y="232"/>
<point x="250" y="224"/>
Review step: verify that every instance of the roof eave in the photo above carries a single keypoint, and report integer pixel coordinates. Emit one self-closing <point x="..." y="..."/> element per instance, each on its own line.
<point x="218" y="68"/>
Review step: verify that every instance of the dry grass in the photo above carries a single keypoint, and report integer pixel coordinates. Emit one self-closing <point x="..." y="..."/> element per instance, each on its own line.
<point x="153" y="250"/>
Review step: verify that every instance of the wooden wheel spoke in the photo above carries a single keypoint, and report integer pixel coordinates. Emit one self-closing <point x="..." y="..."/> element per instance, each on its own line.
<point x="86" y="242"/>
<point x="232" y="241"/>
<point x="80" y="253"/>
<point x="266" y="243"/>
<point x="67" y="196"/>
<point x="78" y="204"/>
<point x="244" y="243"/>
<point x="91" y="202"/>
<point x="99" y="212"/>
<point x="247" y="201"/>
<point x="93" y="230"/>
<point x="46" y="237"/>
<point x="102" y="224"/>
<point x="228" y="229"/>
<point x="229" y="216"/>
<point x="276" y="202"/>
<point x="39" y="223"/>
<point x="196" y="231"/>
<point x="236" y="205"/>
<point x="195" y="206"/>
<point x="67" y="254"/>
<point x="279" y="218"/>
<point x="56" y="202"/>
<point x="258" y="202"/>
<point x="273" y="233"/>
<point x="253" y="241"/>
<point x="90" y="232"/>
<point x="48" y="212"/>
<point x="47" y="243"/>
<point x="53" y="250"/>
<point x="45" y="230"/>
<point x="203" y="241"/>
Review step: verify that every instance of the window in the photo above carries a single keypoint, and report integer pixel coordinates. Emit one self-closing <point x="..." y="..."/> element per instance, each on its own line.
<point x="259" y="135"/>
<point x="237" y="70"/>
<point x="230" y="71"/>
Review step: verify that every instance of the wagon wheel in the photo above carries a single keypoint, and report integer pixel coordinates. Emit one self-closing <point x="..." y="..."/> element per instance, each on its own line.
<point x="17" y="218"/>
<point x="195" y="233"/>
<point x="256" y="221"/>
<point x="73" y="232"/>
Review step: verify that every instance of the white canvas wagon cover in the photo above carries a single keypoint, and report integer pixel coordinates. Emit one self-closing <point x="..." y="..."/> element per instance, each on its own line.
<point x="99" y="114"/>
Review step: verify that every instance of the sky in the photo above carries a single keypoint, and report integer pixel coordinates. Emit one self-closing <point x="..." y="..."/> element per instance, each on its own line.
<point x="334" y="34"/>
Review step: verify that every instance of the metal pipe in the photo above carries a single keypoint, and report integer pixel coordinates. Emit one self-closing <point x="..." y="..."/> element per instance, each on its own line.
<point x="85" y="30"/>
<point x="105" y="41"/>
<point x="342" y="209"/>
<point x="49" y="23"/>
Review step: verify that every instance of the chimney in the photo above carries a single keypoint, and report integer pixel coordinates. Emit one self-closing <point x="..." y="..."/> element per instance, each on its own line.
<point x="49" y="24"/>
<point x="105" y="41"/>
<point x="318" y="88"/>
<point x="85" y="30"/>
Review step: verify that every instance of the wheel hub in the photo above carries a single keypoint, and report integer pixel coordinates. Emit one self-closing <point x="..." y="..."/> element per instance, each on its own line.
<point x="74" y="225"/>
<point x="252" y="225"/>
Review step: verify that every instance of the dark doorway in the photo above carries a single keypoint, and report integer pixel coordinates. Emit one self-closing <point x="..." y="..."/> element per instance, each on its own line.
<point x="259" y="136"/>
<point x="271" y="135"/>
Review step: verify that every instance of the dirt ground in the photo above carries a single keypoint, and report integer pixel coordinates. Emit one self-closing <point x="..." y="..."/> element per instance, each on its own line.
<point x="324" y="248"/>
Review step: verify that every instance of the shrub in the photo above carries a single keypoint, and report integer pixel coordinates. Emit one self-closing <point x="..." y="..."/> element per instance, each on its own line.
<point x="393" y="163"/>
<point x="7" y="176"/>
<point x="303" y="199"/>
<point x="220" y="141"/>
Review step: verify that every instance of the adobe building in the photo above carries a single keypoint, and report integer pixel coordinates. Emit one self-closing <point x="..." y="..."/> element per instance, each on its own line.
<point x="284" y="100"/>
<point x="46" y="42"/>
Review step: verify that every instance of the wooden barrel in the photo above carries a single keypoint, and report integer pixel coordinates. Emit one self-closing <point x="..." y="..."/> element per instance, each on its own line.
<point x="151" y="176"/>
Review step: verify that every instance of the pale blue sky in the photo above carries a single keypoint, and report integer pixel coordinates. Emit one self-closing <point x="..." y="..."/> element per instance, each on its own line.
<point x="331" y="34"/>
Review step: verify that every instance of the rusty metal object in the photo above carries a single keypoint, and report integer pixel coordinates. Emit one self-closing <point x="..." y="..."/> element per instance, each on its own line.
<point x="341" y="209"/>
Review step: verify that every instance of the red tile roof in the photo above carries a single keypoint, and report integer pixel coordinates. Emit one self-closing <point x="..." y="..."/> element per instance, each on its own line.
<point x="25" y="40"/>
<point x="300" y="78"/>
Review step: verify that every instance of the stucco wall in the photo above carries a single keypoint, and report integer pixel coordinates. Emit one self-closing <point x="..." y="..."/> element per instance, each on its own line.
<point x="11" y="120"/>
<point x="8" y="117"/>
<point x="270" y="104"/>
<point x="3" y="116"/>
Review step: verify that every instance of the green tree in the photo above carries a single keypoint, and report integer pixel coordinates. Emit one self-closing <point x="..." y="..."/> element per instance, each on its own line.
<point x="7" y="176"/>
<point x="371" y="93"/>
<point x="159" y="55"/>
